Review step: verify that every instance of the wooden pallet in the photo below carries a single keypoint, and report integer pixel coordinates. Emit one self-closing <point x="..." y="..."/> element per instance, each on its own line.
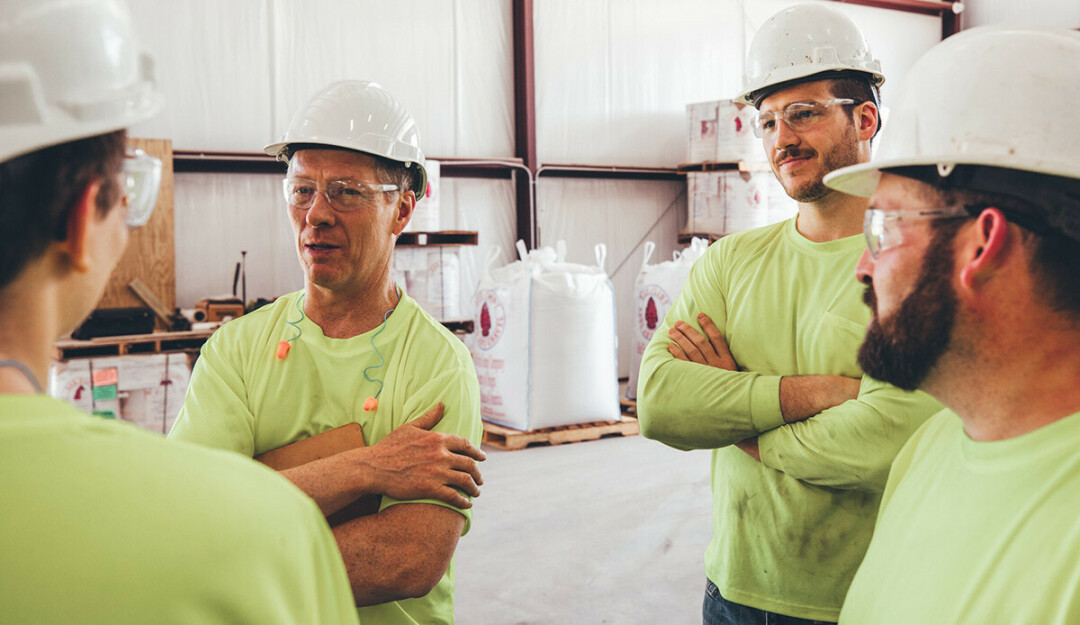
<point x="628" y="407"/>
<point x="511" y="439"/>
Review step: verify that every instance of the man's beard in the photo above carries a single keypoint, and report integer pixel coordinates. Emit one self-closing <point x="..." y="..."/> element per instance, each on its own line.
<point x="903" y="348"/>
<point x="843" y="154"/>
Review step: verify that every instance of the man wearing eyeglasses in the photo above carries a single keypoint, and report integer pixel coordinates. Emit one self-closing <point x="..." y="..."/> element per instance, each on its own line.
<point x="353" y="347"/>
<point x="972" y="279"/>
<point x="758" y="360"/>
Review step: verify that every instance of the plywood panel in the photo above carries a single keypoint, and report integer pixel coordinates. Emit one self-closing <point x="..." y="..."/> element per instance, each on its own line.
<point x="150" y="254"/>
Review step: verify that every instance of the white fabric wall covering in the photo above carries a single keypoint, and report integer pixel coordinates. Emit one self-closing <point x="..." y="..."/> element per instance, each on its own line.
<point x="897" y="38"/>
<point x="212" y="62"/>
<point x="613" y="77"/>
<point x="217" y="216"/>
<point x="621" y="214"/>
<point x="418" y="50"/>
<point x="486" y="206"/>
<point x="235" y="72"/>
<point x="1052" y="13"/>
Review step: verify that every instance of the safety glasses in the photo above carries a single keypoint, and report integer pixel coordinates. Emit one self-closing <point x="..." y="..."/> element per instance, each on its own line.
<point x="797" y="115"/>
<point x="343" y="195"/>
<point x="884" y="229"/>
<point x="141" y="181"/>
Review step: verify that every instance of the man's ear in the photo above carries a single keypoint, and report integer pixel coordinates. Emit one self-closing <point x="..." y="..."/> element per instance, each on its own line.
<point x="404" y="211"/>
<point x="76" y="245"/>
<point x="985" y="249"/>
<point x="866" y="117"/>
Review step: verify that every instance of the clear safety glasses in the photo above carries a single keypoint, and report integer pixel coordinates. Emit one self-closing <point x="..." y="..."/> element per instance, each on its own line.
<point x="141" y="181"/>
<point x="797" y="115"/>
<point x="343" y="195"/>
<point x="883" y="229"/>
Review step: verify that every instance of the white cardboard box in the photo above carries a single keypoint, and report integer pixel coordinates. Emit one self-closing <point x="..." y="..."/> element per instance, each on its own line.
<point x="722" y="131"/>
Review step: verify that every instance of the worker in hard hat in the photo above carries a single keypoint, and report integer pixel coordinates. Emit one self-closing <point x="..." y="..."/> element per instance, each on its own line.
<point x="102" y="522"/>
<point x="972" y="277"/>
<point x="757" y="358"/>
<point x="352" y="347"/>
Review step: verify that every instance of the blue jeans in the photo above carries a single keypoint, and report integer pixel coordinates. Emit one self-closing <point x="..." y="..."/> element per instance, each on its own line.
<point x="719" y="611"/>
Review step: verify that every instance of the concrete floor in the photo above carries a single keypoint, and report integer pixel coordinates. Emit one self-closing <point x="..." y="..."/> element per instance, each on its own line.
<point x="608" y="531"/>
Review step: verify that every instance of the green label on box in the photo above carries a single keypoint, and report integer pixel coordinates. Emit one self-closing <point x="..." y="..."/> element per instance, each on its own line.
<point x="105" y="414"/>
<point x="105" y="392"/>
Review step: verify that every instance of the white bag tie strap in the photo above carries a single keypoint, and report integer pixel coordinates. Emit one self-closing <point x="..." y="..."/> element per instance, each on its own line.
<point x="601" y="255"/>
<point x="523" y="252"/>
<point x="650" y="247"/>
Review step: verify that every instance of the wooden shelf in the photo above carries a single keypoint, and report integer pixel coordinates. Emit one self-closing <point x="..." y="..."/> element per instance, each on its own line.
<point x="744" y="166"/>
<point x="443" y="238"/>
<point x="154" y="343"/>
<point x="686" y="237"/>
<point x="459" y="327"/>
<point x="189" y="161"/>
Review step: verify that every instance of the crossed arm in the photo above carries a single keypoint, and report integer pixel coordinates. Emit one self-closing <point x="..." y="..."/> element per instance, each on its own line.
<point x="402" y="551"/>
<point x="851" y="439"/>
<point x="801" y="397"/>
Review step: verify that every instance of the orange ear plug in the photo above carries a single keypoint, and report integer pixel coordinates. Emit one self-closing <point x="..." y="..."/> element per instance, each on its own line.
<point x="283" y="349"/>
<point x="371" y="404"/>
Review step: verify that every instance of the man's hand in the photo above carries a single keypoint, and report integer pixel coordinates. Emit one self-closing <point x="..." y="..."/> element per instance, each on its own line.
<point x="709" y="349"/>
<point x="414" y="463"/>
<point x="410" y="463"/>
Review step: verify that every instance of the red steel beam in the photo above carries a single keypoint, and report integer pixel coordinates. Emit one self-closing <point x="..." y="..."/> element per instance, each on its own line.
<point x="525" y="120"/>
<point x="949" y="10"/>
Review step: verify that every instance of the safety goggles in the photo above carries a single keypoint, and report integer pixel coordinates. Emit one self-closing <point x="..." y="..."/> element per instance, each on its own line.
<point x="141" y="181"/>
<point x="343" y="195"/>
<point x="883" y="229"/>
<point x="798" y="116"/>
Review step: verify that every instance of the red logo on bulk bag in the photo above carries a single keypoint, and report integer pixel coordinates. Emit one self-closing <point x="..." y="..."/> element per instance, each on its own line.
<point x="492" y="318"/>
<point x="738" y="124"/>
<point x="652" y="304"/>
<point x="650" y="314"/>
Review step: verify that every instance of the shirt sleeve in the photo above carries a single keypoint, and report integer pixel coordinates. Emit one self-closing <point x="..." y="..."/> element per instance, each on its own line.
<point x="459" y="392"/>
<point x="215" y="412"/>
<point x="692" y="406"/>
<point x="853" y="445"/>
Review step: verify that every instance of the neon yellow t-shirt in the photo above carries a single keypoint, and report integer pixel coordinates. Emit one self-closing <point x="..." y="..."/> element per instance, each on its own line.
<point x="976" y="532"/>
<point x="101" y="523"/>
<point x="788" y="531"/>
<point x="243" y="398"/>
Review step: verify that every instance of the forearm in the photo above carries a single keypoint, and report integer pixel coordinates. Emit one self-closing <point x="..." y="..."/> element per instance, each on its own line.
<point x="851" y="446"/>
<point x="692" y="406"/>
<point x="804" y="396"/>
<point x="333" y="482"/>
<point x="400" y="553"/>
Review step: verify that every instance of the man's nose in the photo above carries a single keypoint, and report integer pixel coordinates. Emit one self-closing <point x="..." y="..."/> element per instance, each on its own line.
<point x="864" y="269"/>
<point x="320" y="213"/>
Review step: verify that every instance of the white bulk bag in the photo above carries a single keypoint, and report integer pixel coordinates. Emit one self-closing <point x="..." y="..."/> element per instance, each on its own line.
<point x="655" y="290"/>
<point x="544" y="341"/>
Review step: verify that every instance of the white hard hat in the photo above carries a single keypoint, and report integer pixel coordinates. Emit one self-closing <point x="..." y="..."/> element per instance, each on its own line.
<point x="800" y="42"/>
<point x="357" y="115"/>
<point x="1005" y="98"/>
<point x="69" y="69"/>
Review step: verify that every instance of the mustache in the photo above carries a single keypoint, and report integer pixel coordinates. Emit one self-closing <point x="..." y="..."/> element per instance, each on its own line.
<point x="783" y="155"/>
<point x="870" y="298"/>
